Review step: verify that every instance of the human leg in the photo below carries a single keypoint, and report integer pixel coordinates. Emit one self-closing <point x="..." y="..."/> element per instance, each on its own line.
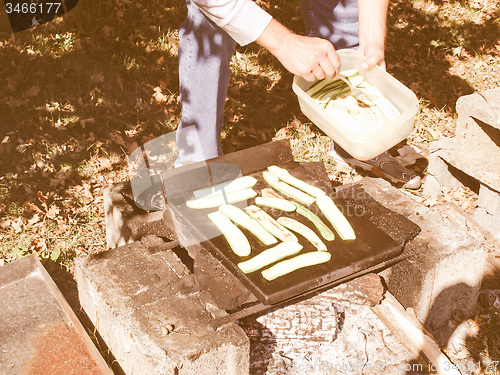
<point x="205" y="51"/>
<point x="335" y="20"/>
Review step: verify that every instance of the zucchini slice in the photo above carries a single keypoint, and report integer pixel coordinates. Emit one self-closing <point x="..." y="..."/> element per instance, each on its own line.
<point x="318" y="223"/>
<point x="268" y="222"/>
<point x="269" y="256"/>
<point x="277" y="203"/>
<point x="241" y="218"/>
<point x="287" y="177"/>
<point x="300" y="261"/>
<point x="303" y="230"/>
<point x="234" y="236"/>
<point x="217" y="200"/>
<point x="335" y="217"/>
<point x="286" y="189"/>
<point x="270" y="193"/>
<point x="240" y="183"/>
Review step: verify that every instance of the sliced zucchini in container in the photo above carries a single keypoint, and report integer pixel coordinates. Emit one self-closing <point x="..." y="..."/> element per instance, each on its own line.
<point x="234" y="236"/>
<point x="287" y="177"/>
<point x="278" y="252"/>
<point x="241" y="218"/>
<point x="300" y="261"/>
<point x="316" y="220"/>
<point x="217" y="200"/>
<point x="303" y="230"/>
<point x="286" y="189"/>
<point x="268" y="222"/>
<point x="277" y="203"/>
<point x="240" y="183"/>
<point x="335" y="217"/>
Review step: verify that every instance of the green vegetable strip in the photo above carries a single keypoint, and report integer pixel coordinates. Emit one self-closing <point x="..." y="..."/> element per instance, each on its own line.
<point x="303" y="230"/>
<point x="336" y="218"/>
<point x="287" y="177"/>
<point x="277" y="203"/>
<point x="269" y="256"/>
<point x="270" y="224"/>
<point x="234" y="236"/>
<point x="300" y="261"/>
<point x="318" y="223"/>
<point x="286" y="189"/>
<point x="241" y="218"/>
<point x="240" y="183"/>
<point x="217" y="200"/>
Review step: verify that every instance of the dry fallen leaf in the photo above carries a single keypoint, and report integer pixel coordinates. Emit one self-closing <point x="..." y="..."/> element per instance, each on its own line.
<point x="158" y="96"/>
<point x="33" y="91"/>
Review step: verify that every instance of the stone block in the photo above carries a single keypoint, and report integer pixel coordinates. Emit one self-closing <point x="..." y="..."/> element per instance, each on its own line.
<point x="439" y="171"/>
<point x="150" y="312"/>
<point x="444" y="277"/>
<point x="125" y="222"/>
<point x="477" y="141"/>
<point x="39" y="332"/>
<point x="488" y="210"/>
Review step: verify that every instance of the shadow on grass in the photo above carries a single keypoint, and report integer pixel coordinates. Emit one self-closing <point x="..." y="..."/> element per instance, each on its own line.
<point x="422" y="45"/>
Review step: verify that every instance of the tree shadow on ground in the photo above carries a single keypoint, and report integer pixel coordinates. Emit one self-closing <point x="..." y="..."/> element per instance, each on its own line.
<point x="423" y="47"/>
<point x="458" y="332"/>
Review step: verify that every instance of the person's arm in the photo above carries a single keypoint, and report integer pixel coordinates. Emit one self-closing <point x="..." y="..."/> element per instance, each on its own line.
<point x="243" y="20"/>
<point x="246" y="22"/>
<point x="372" y="31"/>
<point x="311" y="58"/>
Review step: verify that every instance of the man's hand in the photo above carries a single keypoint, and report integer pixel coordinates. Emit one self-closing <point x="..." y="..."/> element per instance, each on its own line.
<point x="311" y="58"/>
<point x="374" y="55"/>
<point x="372" y="30"/>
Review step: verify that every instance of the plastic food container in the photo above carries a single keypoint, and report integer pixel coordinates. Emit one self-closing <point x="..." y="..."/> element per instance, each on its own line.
<point x="370" y="144"/>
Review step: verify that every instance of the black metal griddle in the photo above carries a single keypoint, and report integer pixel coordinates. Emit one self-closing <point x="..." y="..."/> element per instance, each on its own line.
<point x="372" y="248"/>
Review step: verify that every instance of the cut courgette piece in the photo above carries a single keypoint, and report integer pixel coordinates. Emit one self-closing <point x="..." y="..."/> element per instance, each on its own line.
<point x="303" y="230"/>
<point x="316" y="220"/>
<point x="234" y="236"/>
<point x="287" y="177"/>
<point x="270" y="256"/>
<point x="217" y="200"/>
<point x="268" y="222"/>
<point x="335" y="217"/>
<point x="277" y="203"/>
<point x="286" y="189"/>
<point x="300" y="261"/>
<point x="241" y="218"/>
<point x="240" y="183"/>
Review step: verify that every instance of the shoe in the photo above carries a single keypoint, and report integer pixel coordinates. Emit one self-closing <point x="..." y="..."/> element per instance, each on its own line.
<point x="384" y="165"/>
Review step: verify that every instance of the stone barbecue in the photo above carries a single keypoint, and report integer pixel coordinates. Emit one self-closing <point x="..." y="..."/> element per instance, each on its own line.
<point x="165" y="309"/>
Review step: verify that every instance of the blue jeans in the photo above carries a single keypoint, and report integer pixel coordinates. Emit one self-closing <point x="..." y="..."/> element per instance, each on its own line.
<point x="205" y="51"/>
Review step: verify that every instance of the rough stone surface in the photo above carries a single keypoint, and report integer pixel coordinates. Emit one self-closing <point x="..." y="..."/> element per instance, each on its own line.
<point x="446" y="276"/>
<point x="125" y="222"/>
<point x="323" y="336"/>
<point x="440" y="173"/>
<point x="39" y="333"/>
<point x="150" y="312"/>
<point x="477" y="141"/>
<point x="488" y="210"/>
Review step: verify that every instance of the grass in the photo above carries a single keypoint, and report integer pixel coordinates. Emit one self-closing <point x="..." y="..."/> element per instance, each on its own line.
<point x="78" y="96"/>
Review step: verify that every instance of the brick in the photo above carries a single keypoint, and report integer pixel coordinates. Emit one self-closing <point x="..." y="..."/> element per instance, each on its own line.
<point x="445" y="275"/>
<point x="132" y="294"/>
